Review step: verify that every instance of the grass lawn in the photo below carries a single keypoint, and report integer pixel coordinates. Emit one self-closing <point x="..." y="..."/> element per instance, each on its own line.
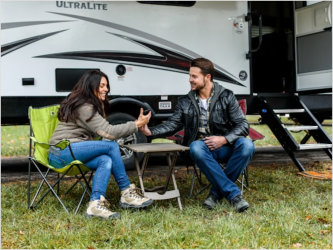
<point x="15" y="140"/>
<point x="287" y="211"/>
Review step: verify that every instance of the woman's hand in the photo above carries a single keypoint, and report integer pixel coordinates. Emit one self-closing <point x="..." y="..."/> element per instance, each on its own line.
<point x="143" y="119"/>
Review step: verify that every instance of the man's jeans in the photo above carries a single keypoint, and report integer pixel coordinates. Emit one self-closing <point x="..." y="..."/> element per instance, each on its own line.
<point x="237" y="157"/>
<point x="102" y="156"/>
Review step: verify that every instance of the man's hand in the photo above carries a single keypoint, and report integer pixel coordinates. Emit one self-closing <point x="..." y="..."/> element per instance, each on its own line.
<point x="145" y="130"/>
<point x="214" y="142"/>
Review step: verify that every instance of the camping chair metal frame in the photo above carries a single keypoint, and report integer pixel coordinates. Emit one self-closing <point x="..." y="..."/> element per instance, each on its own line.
<point x="75" y="168"/>
<point x="244" y="181"/>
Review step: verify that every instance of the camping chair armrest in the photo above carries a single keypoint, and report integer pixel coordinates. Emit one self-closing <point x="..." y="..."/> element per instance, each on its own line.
<point x="44" y="145"/>
<point x="63" y="144"/>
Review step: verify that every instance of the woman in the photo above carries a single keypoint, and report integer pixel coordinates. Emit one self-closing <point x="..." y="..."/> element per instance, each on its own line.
<point x="81" y="119"/>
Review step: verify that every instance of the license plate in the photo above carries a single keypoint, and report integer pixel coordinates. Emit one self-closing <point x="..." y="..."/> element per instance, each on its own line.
<point x="164" y="105"/>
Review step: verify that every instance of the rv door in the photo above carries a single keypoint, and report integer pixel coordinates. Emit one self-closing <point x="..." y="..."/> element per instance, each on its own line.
<point x="313" y="41"/>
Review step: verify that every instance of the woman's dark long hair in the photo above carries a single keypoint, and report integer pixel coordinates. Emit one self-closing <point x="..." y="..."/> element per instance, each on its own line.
<point x="84" y="92"/>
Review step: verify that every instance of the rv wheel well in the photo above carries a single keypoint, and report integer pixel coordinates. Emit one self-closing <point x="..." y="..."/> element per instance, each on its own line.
<point x="129" y="106"/>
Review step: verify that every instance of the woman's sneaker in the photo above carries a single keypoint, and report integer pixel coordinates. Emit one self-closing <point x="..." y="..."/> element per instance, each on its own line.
<point x="132" y="198"/>
<point x="99" y="208"/>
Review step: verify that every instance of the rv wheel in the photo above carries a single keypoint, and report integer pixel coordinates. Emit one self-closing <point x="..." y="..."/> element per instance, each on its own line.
<point x="127" y="155"/>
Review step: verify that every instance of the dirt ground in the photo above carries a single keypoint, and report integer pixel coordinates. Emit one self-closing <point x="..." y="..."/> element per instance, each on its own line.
<point x="265" y="156"/>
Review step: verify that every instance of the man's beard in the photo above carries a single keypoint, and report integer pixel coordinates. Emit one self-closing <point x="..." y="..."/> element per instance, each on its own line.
<point x="198" y="88"/>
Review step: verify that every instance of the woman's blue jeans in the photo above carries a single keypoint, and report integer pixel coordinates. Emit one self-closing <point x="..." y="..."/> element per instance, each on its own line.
<point x="102" y="156"/>
<point x="236" y="156"/>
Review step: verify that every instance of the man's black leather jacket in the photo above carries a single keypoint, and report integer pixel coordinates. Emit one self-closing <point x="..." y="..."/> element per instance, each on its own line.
<point x="226" y="117"/>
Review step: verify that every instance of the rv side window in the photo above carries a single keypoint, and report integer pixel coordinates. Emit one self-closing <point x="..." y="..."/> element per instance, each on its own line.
<point x="67" y="78"/>
<point x="314" y="52"/>
<point x="173" y="3"/>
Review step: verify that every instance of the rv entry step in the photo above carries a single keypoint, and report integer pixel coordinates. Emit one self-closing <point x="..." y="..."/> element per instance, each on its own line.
<point x="296" y="110"/>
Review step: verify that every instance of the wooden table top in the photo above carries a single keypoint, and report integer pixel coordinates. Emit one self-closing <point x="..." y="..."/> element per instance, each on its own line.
<point x="156" y="147"/>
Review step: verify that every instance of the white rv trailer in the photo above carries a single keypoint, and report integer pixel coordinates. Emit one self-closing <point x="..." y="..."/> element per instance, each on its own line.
<point x="145" y="49"/>
<point x="277" y="48"/>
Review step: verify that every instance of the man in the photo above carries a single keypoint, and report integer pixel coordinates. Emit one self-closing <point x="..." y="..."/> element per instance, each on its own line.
<point x="215" y="130"/>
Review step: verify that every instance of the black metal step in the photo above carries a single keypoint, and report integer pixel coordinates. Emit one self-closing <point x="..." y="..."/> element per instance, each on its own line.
<point x="293" y="107"/>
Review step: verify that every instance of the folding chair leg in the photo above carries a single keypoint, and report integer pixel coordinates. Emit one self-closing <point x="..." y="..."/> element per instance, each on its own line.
<point x="88" y="187"/>
<point x="81" y="199"/>
<point x="87" y="190"/>
<point x="242" y="185"/>
<point x="70" y="189"/>
<point x="192" y="184"/>
<point x="198" y="176"/>
<point x="58" y="186"/>
<point x="40" y="186"/>
<point x="29" y="169"/>
<point x="203" y="189"/>
<point x="79" y="181"/>
<point x="244" y="182"/>
<point x="84" y="178"/>
<point x="29" y="183"/>
<point x="50" y="189"/>
<point x="246" y="172"/>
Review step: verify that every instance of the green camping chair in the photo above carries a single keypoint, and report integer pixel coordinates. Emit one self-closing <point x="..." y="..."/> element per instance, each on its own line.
<point x="43" y="121"/>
